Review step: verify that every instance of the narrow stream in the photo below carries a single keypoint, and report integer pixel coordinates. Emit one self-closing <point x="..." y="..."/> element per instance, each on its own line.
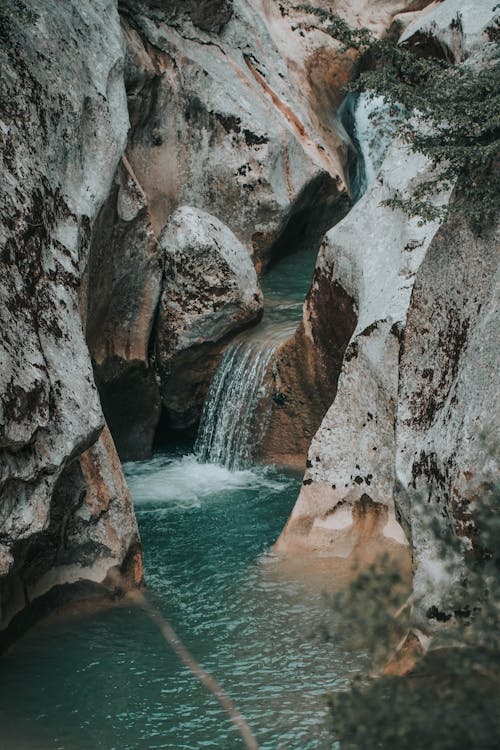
<point x="367" y="125"/>
<point x="108" y="681"/>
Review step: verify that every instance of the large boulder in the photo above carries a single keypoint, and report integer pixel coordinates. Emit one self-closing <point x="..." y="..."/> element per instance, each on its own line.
<point x="210" y="290"/>
<point x="454" y="29"/>
<point x="63" y="127"/>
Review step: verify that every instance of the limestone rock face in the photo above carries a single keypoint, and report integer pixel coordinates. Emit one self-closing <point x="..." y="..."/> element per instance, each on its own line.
<point x="244" y="119"/>
<point x="124" y="282"/>
<point x="411" y="437"/>
<point x="63" y="126"/>
<point x="412" y="434"/>
<point x="369" y="258"/>
<point x="304" y="374"/>
<point x="447" y="428"/>
<point x="231" y="105"/>
<point x="210" y="290"/>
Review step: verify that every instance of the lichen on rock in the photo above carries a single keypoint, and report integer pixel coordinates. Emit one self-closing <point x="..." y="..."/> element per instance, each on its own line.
<point x="63" y="126"/>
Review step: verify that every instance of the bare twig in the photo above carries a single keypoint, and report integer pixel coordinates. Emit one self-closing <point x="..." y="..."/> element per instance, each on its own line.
<point x="197" y="670"/>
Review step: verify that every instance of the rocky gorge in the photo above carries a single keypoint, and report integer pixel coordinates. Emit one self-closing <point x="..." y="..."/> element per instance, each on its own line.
<point x="161" y="161"/>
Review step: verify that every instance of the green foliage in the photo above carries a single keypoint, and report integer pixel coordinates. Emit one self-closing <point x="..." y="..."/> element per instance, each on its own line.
<point x="453" y="117"/>
<point x="451" y="699"/>
<point x="375" y="603"/>
<point x="450" y="113"/>
<point x="448" y="703"/>
<point x="337" y="28"/>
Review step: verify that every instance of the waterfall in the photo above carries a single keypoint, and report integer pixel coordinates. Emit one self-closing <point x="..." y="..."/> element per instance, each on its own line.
<point x="237" y="407"/>
<point x="368" y="125"/>
<point x="227" y="428"/>
<point x="231" y="422"/>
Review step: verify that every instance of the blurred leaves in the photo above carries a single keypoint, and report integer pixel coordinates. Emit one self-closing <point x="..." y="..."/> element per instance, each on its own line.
<point x="451" y="699"/>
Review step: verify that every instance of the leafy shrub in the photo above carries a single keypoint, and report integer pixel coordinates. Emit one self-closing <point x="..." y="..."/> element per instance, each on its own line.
<point x="451" y="699"/>
<point x="451" y="115"/>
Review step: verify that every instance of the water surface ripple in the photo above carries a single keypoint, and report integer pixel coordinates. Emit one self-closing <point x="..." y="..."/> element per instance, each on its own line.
<point x="109" y="682"/>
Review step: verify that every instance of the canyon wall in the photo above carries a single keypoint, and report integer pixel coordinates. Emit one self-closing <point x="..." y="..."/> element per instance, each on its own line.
<point x="145" y="148"/>
<point x="412" y="434"/>
<point x="232" y="112"/>
<point x="238" y="126"/>
<point x="65" y="512"/>
<point x="157" y="158"/>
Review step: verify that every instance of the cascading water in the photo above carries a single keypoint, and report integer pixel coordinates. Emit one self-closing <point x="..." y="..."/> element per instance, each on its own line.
<point x="234" y="416"/>
<point x="231" y="423"/>
<point x="368" y="126"/>
<point x="233" y="419"/>
<point x="227" y="425"/>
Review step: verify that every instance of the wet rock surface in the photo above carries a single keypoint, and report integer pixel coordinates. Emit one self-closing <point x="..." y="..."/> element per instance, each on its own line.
<point x="365" y="272"/>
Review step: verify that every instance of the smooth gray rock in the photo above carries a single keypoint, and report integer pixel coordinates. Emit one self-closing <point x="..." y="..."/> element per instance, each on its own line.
<point x="209" y="15"/>
<point x="458" y="28"/>
<point x="124" y="281"/>
<point x="411" y="438"/>
<point x="237" y="121"/>
<point x="448" y="425"/>
<point x="241" y="126"/>
<point x="371" y="257"/>
<point x="210" y="289"/>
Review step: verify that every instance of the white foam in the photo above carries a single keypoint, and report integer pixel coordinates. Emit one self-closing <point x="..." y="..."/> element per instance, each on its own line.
<point x="186" y="482"/>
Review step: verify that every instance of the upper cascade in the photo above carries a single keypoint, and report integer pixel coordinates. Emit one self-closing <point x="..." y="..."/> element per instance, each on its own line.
<point x="369" y="128"/>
